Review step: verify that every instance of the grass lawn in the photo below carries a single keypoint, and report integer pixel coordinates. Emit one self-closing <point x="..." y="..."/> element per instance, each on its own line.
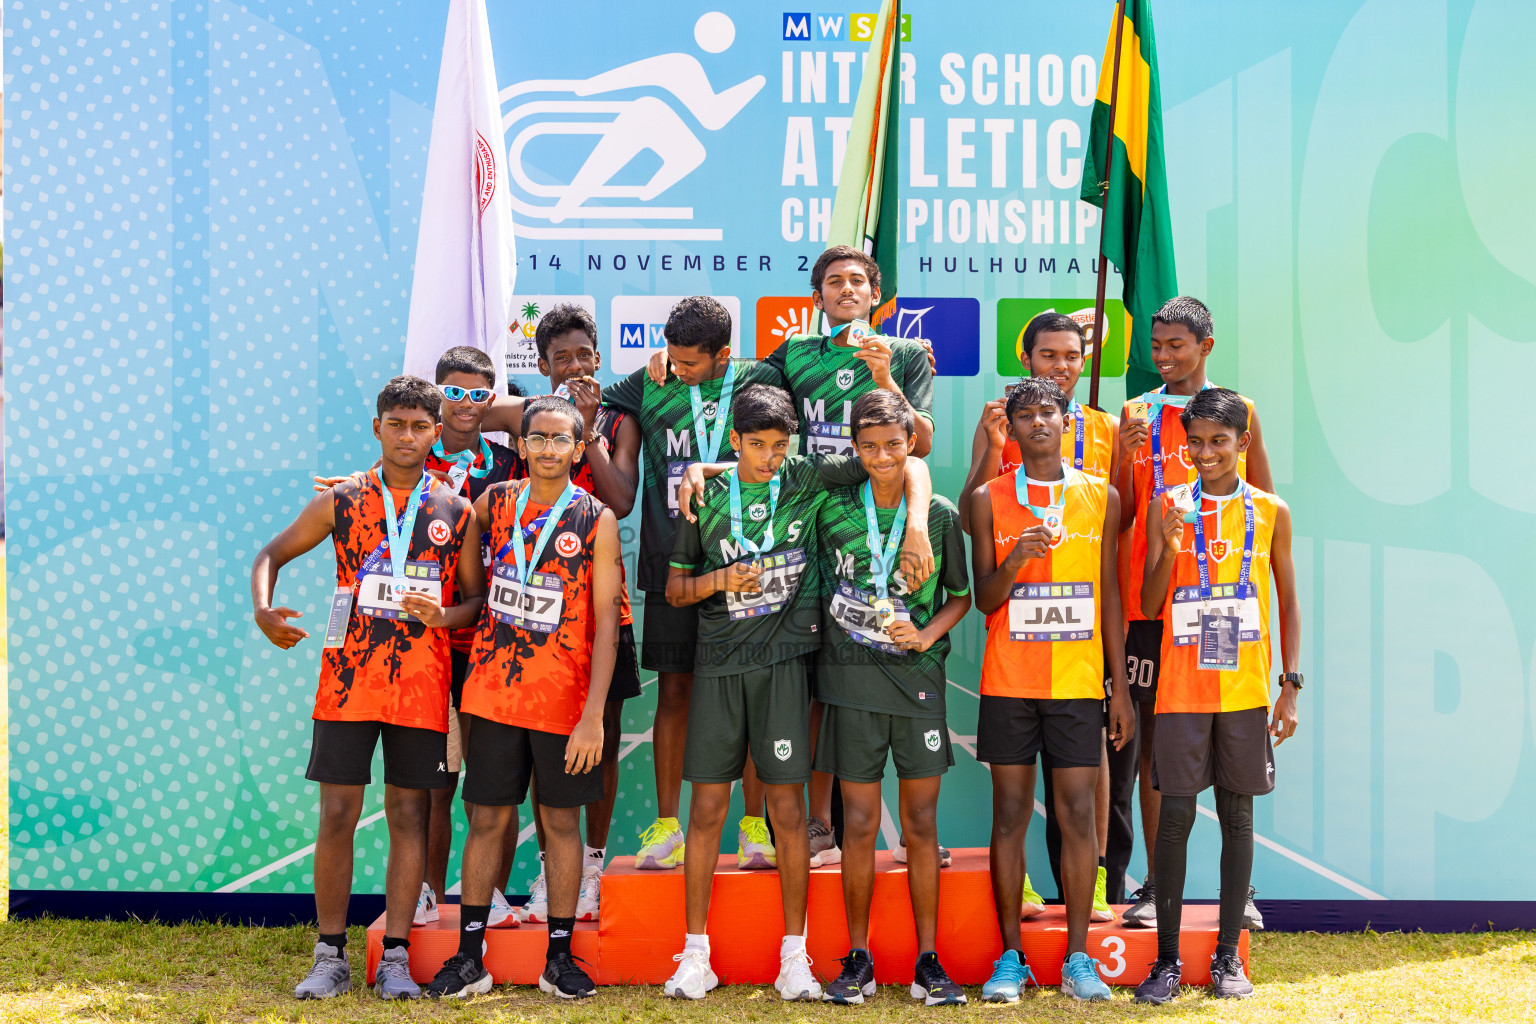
<point x="55" y="970"/>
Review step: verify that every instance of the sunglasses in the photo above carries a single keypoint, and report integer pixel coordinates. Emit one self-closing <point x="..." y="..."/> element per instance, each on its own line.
<point x="479" y="396"/>
<point x="560" y="443"/>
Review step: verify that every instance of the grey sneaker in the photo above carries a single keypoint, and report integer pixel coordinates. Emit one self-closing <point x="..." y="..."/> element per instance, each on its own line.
<point x="1252" y="919"/>
<point x="392" y="979"/>
<point x="1228" y="980"/>
<point x="330" y="975"/>
<point x="824" y="849"/>
<point x="1143" y="912"/>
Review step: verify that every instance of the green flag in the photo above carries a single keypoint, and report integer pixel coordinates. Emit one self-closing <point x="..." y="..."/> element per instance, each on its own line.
<point x="1138" y="234"/>
<point x="864" y="211"/>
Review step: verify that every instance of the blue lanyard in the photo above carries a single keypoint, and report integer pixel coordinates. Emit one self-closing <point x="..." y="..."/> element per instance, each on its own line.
<point x="707" y="446"/>
<point x="466" y="458"/>
<point x="1021" y="492"/>
<point x="1158" y="399"/>
<point x="882" y="557"/>
<point x="773" y="507"/>
<point x="544" y="525"/>
<point x="1079" y="433"/>
<point x="398" y="529"/>
<point x="1200" y="555"/>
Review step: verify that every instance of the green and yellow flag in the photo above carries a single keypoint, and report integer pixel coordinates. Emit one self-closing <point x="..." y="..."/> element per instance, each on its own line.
<point x="864" y="211"/>
<point x="1138" y="233"/>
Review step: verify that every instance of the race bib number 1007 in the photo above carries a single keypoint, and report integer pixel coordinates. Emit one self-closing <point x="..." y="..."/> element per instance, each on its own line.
<point x="536" y="606"/>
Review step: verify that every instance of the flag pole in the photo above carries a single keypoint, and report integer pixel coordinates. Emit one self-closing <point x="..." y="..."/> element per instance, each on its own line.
<point x="1109" y="145"/>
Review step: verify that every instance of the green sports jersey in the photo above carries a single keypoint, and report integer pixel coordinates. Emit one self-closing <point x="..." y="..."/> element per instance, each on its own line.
<point x="826" y="379"/>
<point x="858" y="667"/>
<point x="742" y="631"/>
<point x="665" y="415"/>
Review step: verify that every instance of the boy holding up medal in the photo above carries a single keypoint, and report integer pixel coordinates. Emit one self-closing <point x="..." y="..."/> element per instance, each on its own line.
<point x="881" y="671"/>
<point x="748" y="561"/>
<point x="1209" y="565"/>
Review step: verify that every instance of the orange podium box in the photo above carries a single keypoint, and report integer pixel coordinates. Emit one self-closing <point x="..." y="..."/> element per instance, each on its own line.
<point x="641" y="928"/>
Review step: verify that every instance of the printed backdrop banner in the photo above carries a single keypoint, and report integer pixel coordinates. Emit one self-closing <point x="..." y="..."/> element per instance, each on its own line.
<point x="210" y="231"/>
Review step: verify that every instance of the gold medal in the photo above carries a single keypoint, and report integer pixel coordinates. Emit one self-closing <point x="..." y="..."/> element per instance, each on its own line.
<point x="1138" y="410"/>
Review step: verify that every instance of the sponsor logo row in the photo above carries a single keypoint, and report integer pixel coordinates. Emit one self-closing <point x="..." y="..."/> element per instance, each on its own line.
<point x="633" y="329"/>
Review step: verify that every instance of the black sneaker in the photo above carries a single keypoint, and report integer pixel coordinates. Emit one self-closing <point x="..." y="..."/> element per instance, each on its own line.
<point x="1143" y="912"/>
<point x="856" y="981"/>
<point x="1227" y="978"/>
<point x="459" y="978"/>
<point x="1162" y="984"/>
<point x="563" y="978"/>
<point x="931" y="984"/>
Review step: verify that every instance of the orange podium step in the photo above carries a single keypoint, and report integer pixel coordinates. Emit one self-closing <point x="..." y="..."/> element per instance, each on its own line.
<point x="641" y="928"/>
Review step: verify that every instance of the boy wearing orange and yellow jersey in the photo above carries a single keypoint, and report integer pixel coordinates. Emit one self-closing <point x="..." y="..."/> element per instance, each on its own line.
<point x="1219" y="544"/>
<point x="1046" y="581"/>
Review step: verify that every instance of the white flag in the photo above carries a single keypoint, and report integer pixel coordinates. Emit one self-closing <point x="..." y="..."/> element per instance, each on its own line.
<point x="466" y="258"/>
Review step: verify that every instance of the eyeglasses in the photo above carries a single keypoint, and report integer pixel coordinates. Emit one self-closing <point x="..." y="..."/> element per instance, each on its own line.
<point x="479" y="396"/>
<point x="560" y="443"/>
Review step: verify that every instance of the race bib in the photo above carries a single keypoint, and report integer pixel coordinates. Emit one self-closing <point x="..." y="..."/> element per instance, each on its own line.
<point x="536" y="606"/>
<point x="854" y="610"/>
<point x="675" y="471"/>
<point x="777" y="585"/>
<point x="828" y="438"/>
<point x="378" y="594"/>
<point x="1048" y="612"/>
<point x="1187" y="609"/>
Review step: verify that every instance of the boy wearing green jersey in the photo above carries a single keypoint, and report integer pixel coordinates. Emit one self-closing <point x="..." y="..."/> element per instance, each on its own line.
<point x="685" y="419"/>
<point x="881" y="676"/>
<point x="750" y="563"/>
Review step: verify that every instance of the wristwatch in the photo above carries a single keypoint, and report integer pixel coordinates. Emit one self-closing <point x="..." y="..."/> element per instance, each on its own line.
<point x="1294" y="678"/>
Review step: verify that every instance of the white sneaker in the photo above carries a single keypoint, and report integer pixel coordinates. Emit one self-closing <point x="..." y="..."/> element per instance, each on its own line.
<point x="795" y="979"/>
<point x="591" y="891"/>
<point x="693" y="978"/>
<point x="537" y="907"/>
<point x="503" y="914"/>
<point x="426" y="906"/>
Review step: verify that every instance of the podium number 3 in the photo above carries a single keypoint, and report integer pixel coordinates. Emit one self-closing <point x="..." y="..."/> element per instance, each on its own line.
<point x="1114" y="949"/>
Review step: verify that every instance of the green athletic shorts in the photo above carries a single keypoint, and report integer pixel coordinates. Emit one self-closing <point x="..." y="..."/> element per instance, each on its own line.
<point x="766" y="710"/>
<point x="853" y="745"/>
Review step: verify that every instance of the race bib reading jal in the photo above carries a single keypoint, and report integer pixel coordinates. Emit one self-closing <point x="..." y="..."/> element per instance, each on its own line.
<point x="776" y="586"/>
<point x="1188" y="608"/>
<point x="1047" y="612"/>
<point x="378" y="594"/>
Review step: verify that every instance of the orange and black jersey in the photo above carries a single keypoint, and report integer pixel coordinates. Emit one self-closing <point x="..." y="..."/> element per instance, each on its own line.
<point x="524" y="677"/>
<point x="389" y="670"/>
<point x="503" y="462"/>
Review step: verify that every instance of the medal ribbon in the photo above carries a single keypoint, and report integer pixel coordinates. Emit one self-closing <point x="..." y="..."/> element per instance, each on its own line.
<point x="707" y="446"/>
<point x="1079" y="433"/>
<point x="882" y="551"/>
<point x="398" y="529"/>
<point x="466" y="459"/>
<point x="1244" y="572"/>
<point x="1021" y="492"/>
<point x="773" y="506"/>
<point x="1158" y="399"/>
<point x="544" y="525"/>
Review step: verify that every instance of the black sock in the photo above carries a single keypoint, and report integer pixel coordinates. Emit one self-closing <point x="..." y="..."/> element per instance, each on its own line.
<point x="1174" y="821"/>
<point x="560" y="936"/>
<point x="1102" y="864"/>
<point x="339" y="940"/>
<point x="1235" y="812"/>
<point x="1222" y="949"/>
<point x="472" y="930"/>
<point x="390" y="943"/>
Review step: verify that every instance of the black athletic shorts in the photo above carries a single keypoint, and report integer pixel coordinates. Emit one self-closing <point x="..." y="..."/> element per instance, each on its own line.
<point x="626" y="671"/>
<point x="1013" y="730"/>
<point x="1143" y="657"/>
<point x="671" y="634"/>
<point x="341" y="753"/>
<point x="459" y="665"/>
<point x="502" y="758"/>
<point x="1191" y="751"/>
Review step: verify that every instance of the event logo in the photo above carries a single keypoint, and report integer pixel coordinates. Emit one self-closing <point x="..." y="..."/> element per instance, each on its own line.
<point x="439" y="532"/>
<point x="1013" y="315"/>
<point x="567" y="544"/>
<point x="951" y="326"/>
<point x="803" y="26"/>
<point x="601" y="125"/>
<point x="780" y="317"/>
<point x="637" y="325"/>
<point x="522" y="352"/>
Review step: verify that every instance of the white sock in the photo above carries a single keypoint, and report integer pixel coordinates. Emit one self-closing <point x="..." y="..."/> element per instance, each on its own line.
<point x="696" y="942"/>
<point x="790" y="945"/>
<point x="594" y="855"/>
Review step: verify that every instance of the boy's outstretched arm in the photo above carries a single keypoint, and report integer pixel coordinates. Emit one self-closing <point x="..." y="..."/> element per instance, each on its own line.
<point x="312" y="526"/>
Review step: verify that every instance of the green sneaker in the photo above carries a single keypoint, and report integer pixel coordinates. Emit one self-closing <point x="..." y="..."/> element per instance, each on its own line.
<point x="661" y="846"/>
<point x="1034" y="903"/>
<point x="1101" y="911"/>
<point x="754" y="849"/>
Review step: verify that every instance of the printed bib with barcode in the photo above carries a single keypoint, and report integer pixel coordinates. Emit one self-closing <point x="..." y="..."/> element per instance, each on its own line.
<point x="1187" y="607"/>
<point x="776" y="586"/>
<point x="854" y="610"/>
<point x="1050" y="612"/>
<point x="378" y="593"/>
<point x="537" y="606"/>
<point x="675" y="471"/>
<point x="829" y="438"/>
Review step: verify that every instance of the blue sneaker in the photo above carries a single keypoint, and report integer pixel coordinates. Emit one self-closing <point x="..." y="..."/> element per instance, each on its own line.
<point x="1080" y="978"/>
<point x="1009" y="975"/>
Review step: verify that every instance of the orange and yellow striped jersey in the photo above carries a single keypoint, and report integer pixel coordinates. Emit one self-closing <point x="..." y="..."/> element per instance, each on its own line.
<point x="1098" y="444"/>
<point x="1182" y="686"/>
<point x="1045" y="643"/>
<point x="1177" y="469"/>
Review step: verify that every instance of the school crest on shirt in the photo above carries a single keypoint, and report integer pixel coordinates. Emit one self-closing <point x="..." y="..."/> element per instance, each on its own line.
<point x="757" y="512"/>
<point x="931" y="739"/>
<point x="709" y="410"/>
<point x="845" y="379"/>
<point x="567" y="544"/>
<point x="1218" y="548"/>
<point x="439" y="531"/>
<point x="782" y="750"/>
